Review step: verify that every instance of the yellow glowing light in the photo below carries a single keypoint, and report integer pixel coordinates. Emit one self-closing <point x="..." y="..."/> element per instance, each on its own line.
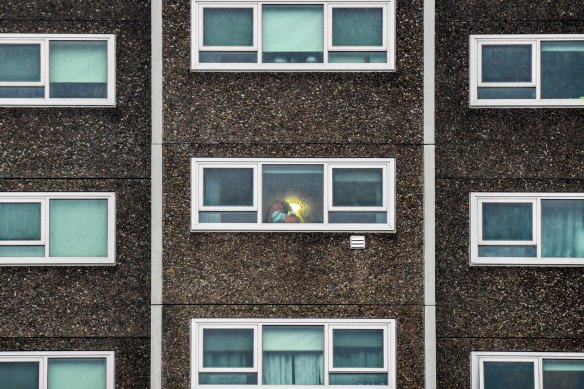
<point x="295" y="207"/>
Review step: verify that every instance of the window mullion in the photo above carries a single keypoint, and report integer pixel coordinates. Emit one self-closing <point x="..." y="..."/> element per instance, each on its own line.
<point x="538" y="228"/>
<point x="47" y="69"/>
<point x="258" y="30"/>
<point x="259" y="348"/>
<point x="538" y="69"/>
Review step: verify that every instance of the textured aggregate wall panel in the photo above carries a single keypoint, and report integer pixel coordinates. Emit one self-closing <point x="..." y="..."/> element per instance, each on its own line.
<point x="84" y="300"/>
<point x="60" y="10"/>
<point x="132" y="355"/>
<point x="84" y="142"/>
<point x="176" y="327"/>
<point x="453" y="355"/>
<point x="500" y="301"/>
<point x="505" y="10"/>
<point x="460" y="127"/>
<point x="292" y="108"/>
<point x="287" y="268"/>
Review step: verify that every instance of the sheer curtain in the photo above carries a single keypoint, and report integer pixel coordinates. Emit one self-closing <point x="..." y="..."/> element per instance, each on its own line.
<point x="293" y="355"/>
<point x="86" y="373"/>
<point x="563" y="228"/>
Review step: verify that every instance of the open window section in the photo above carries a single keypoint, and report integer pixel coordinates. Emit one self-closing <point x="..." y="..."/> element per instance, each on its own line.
<point x="284" y="352"/>
<point x="525" y="370"/>
<point x="57" y="370"/>
<point x="527" y="229"/>
<point x="527" y="70"/>
<point x="57" y="70"/>
<point x="293" y="194"/>
<point x="293" y="36"/>
<point x="57" y="228"/>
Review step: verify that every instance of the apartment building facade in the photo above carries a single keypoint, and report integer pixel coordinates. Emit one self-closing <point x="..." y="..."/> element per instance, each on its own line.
<point x="317" y="193"/>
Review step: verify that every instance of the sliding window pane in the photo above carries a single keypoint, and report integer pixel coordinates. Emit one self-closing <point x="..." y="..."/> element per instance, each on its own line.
<point x="19" y="375"/>
<point x="22" y="251"/>
<point x="293" y="355"/>
<point x="228" y="187"/>
<point x="228" y="57"/>
<point x="227" y="26"/>
<point x="357" y="26"/>
<point x="357" y="187"/>
<point x="79" y="373"/>
<point x="78" y="228"/>
<point x="20" y="221"/>
<point x="293" y="193"/>
<point x="228" y="347"/>
<point x="506" y="63"/>
<point x="562" y="70"/>
<point x="22" y="92"/>
<point x="20" y="63"/>
<point x="506" y="93"/>
<point x="357" y="57"/>
<point x="509" y="375"/>
<point x="507" y="251"/>
<point x="507" y="221"/>
<point x="358" y="379"/>
<point x="228" y="217"/>
<point x="358" y="348"/>
<point x="562" y="228"/>
<point x="78" y="69"/>
<point x="228" y="378"/>
<point x="563" y="374"/>
<point x="358" y="217"/>
<point x="293" y="33"/>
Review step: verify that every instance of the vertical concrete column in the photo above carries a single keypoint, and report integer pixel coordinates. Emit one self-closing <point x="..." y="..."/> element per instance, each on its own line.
<point x="156" y="213"/>
<point x="429" y="196"/>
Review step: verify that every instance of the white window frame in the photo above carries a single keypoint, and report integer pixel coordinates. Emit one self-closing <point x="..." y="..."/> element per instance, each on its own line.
<point x="232" y="208"/>
<point x="384" y="184"/>
<point x="44" y="40"/>
<point x="478" y="358"/>
<point x="389" y="38"/>
<point x="44" y="198"/>
<point x="43" y="357"/>
<point x="476" y="221"/>
<point x="388" y="325"/>
<point x="347" y="326"/>
<point x="475" y="71"/>
<point x="388" y="164"/>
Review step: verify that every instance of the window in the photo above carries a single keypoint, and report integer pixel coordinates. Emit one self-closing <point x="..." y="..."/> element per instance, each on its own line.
<point x="524" y="370"/>
<point x="308" y="352"/>
<point x="302" y="35"/>
<point x="57" y="70"/>
<point x="526" y="70"/>
<point x="57" y="370"/>
<point x="527" y="229"/>
<point x="293" y="194"/>
<point x="57" y="228"/>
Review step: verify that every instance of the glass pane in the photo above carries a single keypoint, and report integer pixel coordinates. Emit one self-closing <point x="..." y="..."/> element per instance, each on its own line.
<point x="20" y="221"/>
<point x="506" y="63"/>
<point x="293" y="33"/>
<point x="227" y="57"/>
<point x="78" y="69"/>
<point x="506" y="93"/>
<point x="227" y="187"/>
<point x="507" y="375"/>
<point x="19" y="375"/>
<point x="24" y="92"/>
<point x="86" y="373"/>
<point x="22" y="251"/>
<point x="358" y="57"/>
<point x="358" y="217"/>
<point x="228" y="347"/>
<point x="293" y="355"/>
<point x="293" y="193"/>
<point x="507" y="221"/>
<point x="228" y="378"/>
<point x="20" y="63"/>
<point x="228" y="217"/>
<point x="563" y="374"/>
<point x="358" y="348"/>
<point x="507" y="251"/>
<point x="357" y="27"/>
<point x="358" y="379"/>
<point x="78" y="228"/>
<point x="227" y="26"/>
<point x="562" y="70"/>
<point x="562" y="228"/>
<point x="357" y="187"/>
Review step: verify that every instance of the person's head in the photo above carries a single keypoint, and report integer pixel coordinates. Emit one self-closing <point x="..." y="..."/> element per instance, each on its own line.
<point x="278" y="211"/>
